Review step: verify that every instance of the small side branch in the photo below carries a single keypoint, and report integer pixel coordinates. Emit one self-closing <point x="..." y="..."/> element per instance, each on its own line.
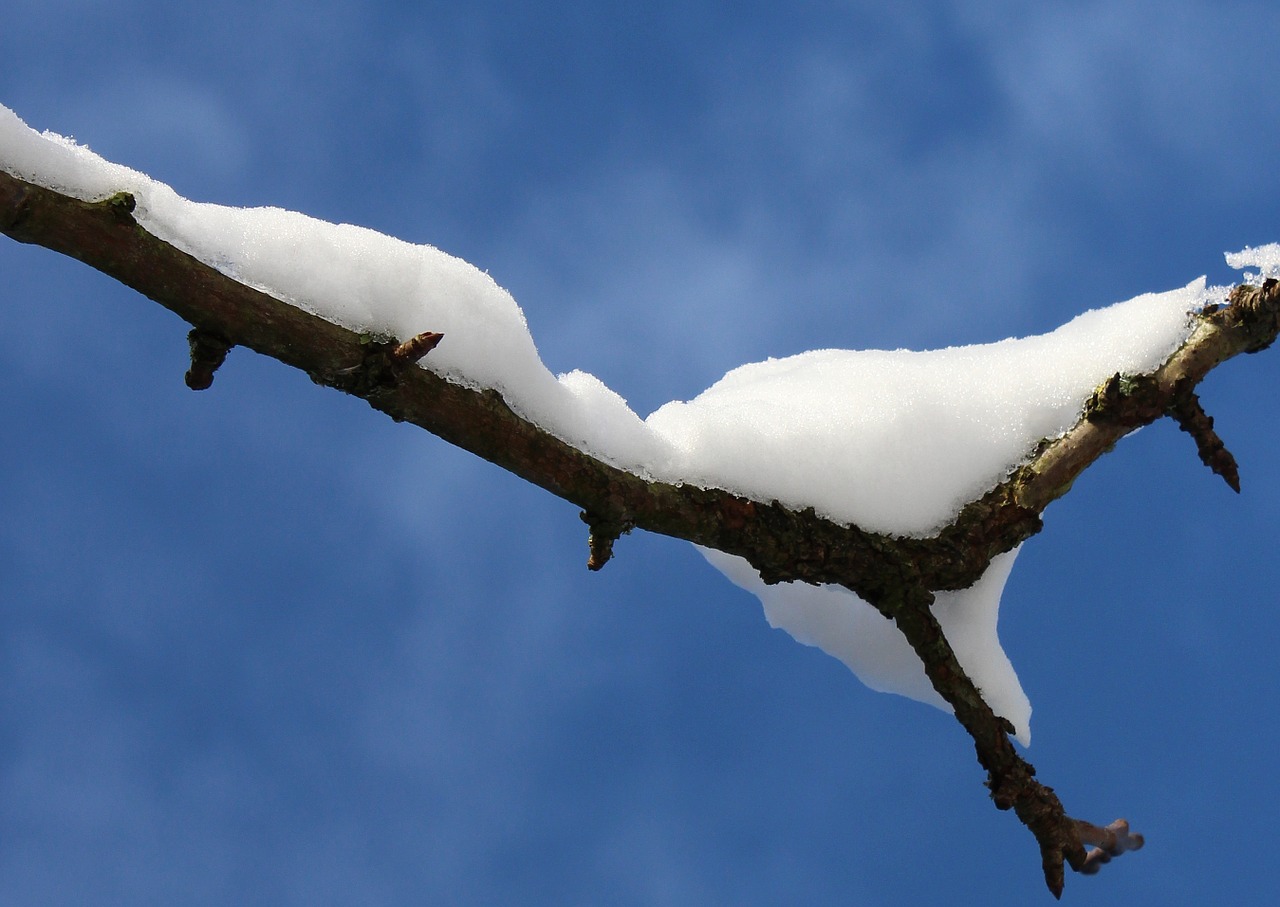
<point x="1191" y="418"/>
<point x="897" y="575"/>
<point x="1109" y="842"/>
<point x="416" y="347"/>
<point x="604" y="532"/>
<point x="208" y="352"/>
<point x="383" y="363"/>
<point x="1010" y="778"/>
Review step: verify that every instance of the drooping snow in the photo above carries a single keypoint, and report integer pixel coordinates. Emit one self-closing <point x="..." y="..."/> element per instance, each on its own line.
<point x="841" y="624"/>
<point x="894" y="441"/>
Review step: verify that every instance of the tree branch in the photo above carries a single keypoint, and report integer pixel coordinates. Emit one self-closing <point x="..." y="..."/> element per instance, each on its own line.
<point x="898" y="576"/>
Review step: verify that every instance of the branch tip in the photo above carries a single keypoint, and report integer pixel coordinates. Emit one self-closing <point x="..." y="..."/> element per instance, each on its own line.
<point x="601" y="551"/>
<point x="1254" y="311"/>
<point x="208" y="352"/>
<point x="381" y="363"/>
<point x="416" y="347"/>
<point x="1109" y="842"/>
<point x="1054" y="874"/>
<point x="892" y="574"/>
<point x="1191" y="418"/>
<point x="604" y="532"/>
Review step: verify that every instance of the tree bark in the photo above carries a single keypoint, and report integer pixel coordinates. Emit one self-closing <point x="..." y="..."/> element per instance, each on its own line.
<point x="898" y="576"/>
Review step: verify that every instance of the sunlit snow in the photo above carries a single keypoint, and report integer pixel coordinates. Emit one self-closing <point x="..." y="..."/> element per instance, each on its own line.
<point x="894" y="441"/>
<point x="1265" y="258"/>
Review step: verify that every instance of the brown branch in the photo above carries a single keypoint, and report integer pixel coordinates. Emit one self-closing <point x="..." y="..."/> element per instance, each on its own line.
<point x="208" y="352"/>
<point x="1191" y="418"/>
<point x="413" y="349"/>
<point x="896" y="575"/>
<point x="1111" y="842"/>
<point x="604" y="532"/>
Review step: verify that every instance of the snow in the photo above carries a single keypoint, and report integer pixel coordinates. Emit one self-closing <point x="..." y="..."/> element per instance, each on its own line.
<point x="899" y="441"/>
<point x="1265" y="258"/>
<point x="841" y="624"/>
<point x="362" y="280"/>
<point x="894" y="441"/>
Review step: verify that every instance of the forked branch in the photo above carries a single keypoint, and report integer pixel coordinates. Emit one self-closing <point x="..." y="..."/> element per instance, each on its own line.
<point x="896" y="575"/>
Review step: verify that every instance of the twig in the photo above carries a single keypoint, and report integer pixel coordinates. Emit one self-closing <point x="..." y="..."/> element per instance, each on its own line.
<point x="896" y="575"/>
<point x="208" y="352"/>
<point x="604" y="532"/>
<point x="1191" y="418"/>
<point x="1111" y="841"/>
<point x="416" y="347"/>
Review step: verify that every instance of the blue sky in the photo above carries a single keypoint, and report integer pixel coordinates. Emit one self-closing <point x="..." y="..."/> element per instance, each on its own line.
<point x="262" y="646"/>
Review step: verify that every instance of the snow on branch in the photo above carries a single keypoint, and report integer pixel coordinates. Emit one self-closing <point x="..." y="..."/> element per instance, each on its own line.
<point x="933" y="579"/>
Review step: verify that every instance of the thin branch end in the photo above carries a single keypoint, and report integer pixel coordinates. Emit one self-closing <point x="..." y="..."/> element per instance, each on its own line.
<point x="416" y="347"/>
<point x="604" y="532"/>
<point x="208" y="352"/>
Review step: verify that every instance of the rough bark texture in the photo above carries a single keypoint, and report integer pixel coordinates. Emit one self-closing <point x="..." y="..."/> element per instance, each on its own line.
<point x="896" y="575"/>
